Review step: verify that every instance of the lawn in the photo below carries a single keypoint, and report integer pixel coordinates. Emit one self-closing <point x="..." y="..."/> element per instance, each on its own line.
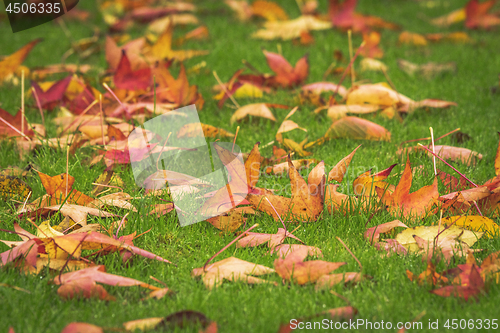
<point x="237" y="306"/>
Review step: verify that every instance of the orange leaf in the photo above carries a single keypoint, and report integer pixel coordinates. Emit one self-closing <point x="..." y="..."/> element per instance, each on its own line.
<point x="417" y="203"/>
<point x="497" y="159"/>
<point x="476" y="15"/>
<point x="338" y="171"/>
<point x="286" y="75"/>
<point x="357" y="128"/>
<point x="10" y="63"/>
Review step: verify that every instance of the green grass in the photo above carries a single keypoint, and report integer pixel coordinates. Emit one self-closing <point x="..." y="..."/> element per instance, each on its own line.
<point x="238" y="307"/>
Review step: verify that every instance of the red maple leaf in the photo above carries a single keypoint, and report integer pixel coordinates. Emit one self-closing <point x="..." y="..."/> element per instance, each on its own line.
<point x="476" y="15"/>
<point x="126" y="78"/>
<point x="54" y="95"/>
<point x="286" y="75"/>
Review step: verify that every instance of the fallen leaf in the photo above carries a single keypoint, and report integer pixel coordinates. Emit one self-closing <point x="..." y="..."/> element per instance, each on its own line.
<point x="256" y="110"/>
<point x="451" y="241"/>
<point x="455" y="16"/>
<point x="269" y="10"/>
<point x="338" y="111"/>
<point x="477" y="16"/>
<point x="142" y="324"/>
<point x="366" y="184"/>
<point x="344" y="17"/>
<point x="229" y="223"/>
<point x="457" y="37"/>
<point x="16" y="122"/>
<point x="126" y="78"/>
<point x="232" y="269"/>
<point x="497" y="159"/>
<point x="338" y="171"/>
<point x="456" y="154"/>
<point x="286" y="75"/>
<point x="371" y="47"/>
<point x="407" y="37"/>
<point x="330" y="280"/>
<point x="429" y="276"/>
<point x="11" y="63"/>
<point x="306" y="202"/>
<point x="77" y="327"/>
<point x="373" y="234"/>
<point x="293" y="268"/>
<point x="52" y="96"/>
<point x="291" y="29"/>
<point x="401" y="201"/>
<point x="162" y="49"/>
<point x="285" y="250"/>
<point x="253" y="239"/>
<point x="370" y="64"/>
<point x="474" y="223"/>
<point x="473" y="289"/>
<point x="178" y="90"/>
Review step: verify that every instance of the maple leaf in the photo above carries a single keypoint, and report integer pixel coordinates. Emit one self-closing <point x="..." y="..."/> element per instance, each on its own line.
<point x="336" y="201"/>
<point x="497" y="159"/>
<point x="14" y="121"/>
<point x="438" y="241"/>
<point x="390" y="246"/>
<point x="338" y="111"/>
<point x="281" y="168"/>
<point x="456" y="154"/>
<point x="353" y="128"/>
<point x="371" y="47"/>
<point x="84" y="282"/>
<point x="476" y="15"/>
<point x="255" y="110"/>
<point x="330" y="280"/>
<point x="452" y="183"/>
<point x="177" y="90"/>
<point x="474" y="223"/>
<point x="455" y="16"/>
<point x="415" y="204"/>
<point x="162" y="49"/>
<point x="473" y="288"/>
<point x="367" y="184"/>
<point x="232" y="269"/>
<point x="284" y="250"/>
<point x="255" y="239"/>
<point x="291" y="29"/>
<point x="48" y="99"/>
<point x="338" y="171"/>
<point x="230" y="221"/>
<point x="59" y="187"/>
<point x="319" y="87"/>
<point x="293" y="268"/>
<point x="381" y="94"/>
<point x="127" y="79"/>
<point x="407" y="37"/>
<point x="234" y="192"/>
<point x="11" y="63"/>
<point x="286" y="75"/>
<point x="133" y="50"/>
<point x="428" y="276"/>
<point x="271" y="11"/>
<point x="306" y="202"/>
<point x="343" y="16"/>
